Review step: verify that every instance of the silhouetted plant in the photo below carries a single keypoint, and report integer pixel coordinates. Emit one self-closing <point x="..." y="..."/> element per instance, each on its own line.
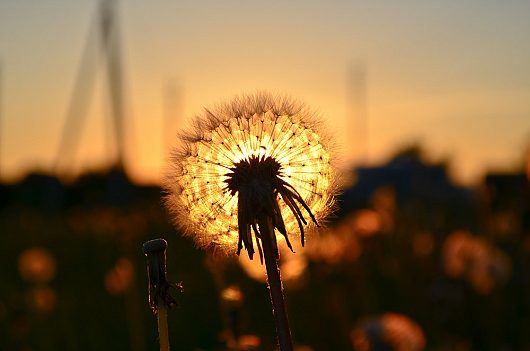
<point x="249" y="168"/>
<point x="159" y="298"/>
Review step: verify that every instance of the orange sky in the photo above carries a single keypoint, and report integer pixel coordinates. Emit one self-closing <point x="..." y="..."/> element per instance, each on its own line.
<point x="453" y="76"/>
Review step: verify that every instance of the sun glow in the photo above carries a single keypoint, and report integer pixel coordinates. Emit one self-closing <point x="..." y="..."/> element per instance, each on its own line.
<point x="259" y="128"/>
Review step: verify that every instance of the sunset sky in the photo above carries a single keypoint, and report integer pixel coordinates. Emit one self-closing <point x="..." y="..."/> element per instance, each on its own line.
<point x="453" y="76"/>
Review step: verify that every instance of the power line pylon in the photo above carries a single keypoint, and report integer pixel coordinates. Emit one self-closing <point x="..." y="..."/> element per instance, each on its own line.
<point x="103" y="43"/>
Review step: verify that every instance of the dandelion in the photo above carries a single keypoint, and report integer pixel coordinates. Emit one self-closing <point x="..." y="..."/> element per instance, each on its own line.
<point x="255" y="155"/>
<point x="251" y="168"/>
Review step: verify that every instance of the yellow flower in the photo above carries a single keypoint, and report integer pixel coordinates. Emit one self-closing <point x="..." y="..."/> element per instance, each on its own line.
<point x="258" y="155"/>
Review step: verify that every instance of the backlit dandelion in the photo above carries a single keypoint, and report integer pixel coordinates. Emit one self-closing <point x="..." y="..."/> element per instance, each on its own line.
<point x="251" y="168"/>
<point x="256" y="155"/>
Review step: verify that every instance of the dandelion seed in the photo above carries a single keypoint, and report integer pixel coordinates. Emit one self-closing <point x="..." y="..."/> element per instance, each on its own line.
<point x="258" y="155"/>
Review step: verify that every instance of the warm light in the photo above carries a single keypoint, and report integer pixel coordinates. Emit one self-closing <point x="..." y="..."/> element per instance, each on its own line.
<point x="232" y="294"/>
<point x="473" y="258"/>
<point x="120" y="278"/>
<point x="455" y="253"/>
<point x="292" y="267"/>
<point x="43" y="299"/>
<point x="303" y="348"/>
<point x="337" y="245"/>
<point x="391" y="331"/>
<point x="249" y="342"/>
<point x="256" y="126"/>
<point x="367" y="223"/>
<point x="36" y="265"/>
<point x="360" y="340"/>
<point x="402" y="332"/>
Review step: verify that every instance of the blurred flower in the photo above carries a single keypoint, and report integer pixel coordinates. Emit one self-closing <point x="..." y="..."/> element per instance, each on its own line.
<point x="249" y="342"/>
<point x="367" y="223"/>
<point x="36" y="265"/>
<point x="240" y="161"/>
<point x="391" y="331"/>
<point x="42" y="299"/>
<point x="344" y="241"/>
<point x="120" y="278"/>
<point x="335" y="245"/>
<point x="476" y="260"/>
<point x="402" y="332"/>
<point x="455" y="253"/>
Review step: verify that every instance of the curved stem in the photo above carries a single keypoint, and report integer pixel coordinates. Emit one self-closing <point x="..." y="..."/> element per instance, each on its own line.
<point x="275" y="284"/>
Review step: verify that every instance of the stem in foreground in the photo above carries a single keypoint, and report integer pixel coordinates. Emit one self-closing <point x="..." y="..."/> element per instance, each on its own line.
<point x="275" y="284"/>
<point x="161" y="316"/>
<point x="159" y="298"/>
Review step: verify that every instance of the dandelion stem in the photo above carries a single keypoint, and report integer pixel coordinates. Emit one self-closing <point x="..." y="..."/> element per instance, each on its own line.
<point x="275" y="284"/>
<point x="161" y="315"/>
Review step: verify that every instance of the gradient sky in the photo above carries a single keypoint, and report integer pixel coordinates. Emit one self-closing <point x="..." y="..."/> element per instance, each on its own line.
<point x="452" y="75"/>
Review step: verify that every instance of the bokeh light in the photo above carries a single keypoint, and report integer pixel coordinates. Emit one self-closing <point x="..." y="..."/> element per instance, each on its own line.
<point x="467" y="256"/>
<point x="367" y="222"/>
<point x="36" y="265"/>
<point x="42" y="299"/>
<point x="292" y="266"/>
<point x="119" y="279"/>
<point x="390" y="331"/>
<point x="249" y="342"/>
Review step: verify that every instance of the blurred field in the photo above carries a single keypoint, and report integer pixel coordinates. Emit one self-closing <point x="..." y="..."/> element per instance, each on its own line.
<point x="410" y="261"/>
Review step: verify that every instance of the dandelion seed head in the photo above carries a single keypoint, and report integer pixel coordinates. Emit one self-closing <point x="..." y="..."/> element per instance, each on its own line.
<point x="259" y="142"/>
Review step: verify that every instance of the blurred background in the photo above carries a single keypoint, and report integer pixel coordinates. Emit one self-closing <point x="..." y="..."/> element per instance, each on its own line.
<point x="430" y="104"/>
